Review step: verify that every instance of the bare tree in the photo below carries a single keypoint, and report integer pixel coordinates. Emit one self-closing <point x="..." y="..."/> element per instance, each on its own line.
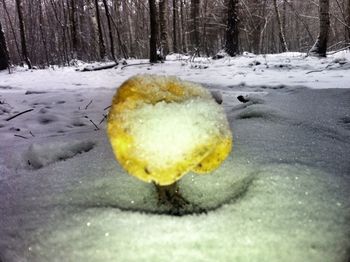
<point x="110" y="32"/>
<point x="175" y="15"/>
<point x="163" y="22"/>
<point x="282" y="38"/>
<point x="320" y="46"/>
<point x="231" y="44"/>
<point x="12" y="28"/>
<point x="183" y="27"/>
<point x="195" y="5"/>
<point x="348" y="22"/>
<point x="154" y="29"/>
<point x="42" y="33"/>
<point x="73" y="28"/>
<point x="101" y="42"/>
<point x="22" y="33"/>
<point x="4" y="56"/>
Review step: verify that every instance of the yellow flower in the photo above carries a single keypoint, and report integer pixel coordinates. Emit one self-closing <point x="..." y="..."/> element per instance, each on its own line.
<point x="160" y="128"/>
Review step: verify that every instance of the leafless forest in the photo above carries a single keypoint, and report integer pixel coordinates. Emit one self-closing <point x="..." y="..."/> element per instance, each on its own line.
<point x="47" y="32"/>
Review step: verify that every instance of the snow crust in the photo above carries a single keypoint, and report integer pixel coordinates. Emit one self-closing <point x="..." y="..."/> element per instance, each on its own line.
<point x="282" y="195"/>
<point x="39" y="156"/>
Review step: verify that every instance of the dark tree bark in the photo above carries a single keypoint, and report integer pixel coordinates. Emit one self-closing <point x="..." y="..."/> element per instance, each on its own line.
<point x="101" y="42"/>
<point x="119" y="24"/>
<point x="110" y="32"/>
<point x="154" y="29"/>
<point x="281" y="36"/>
<point x="195" y="4"/>
<point x="183" y="27"/>
<point x="62" y="47"/>
<point x="42" y="33"/>
<point x="4" y="55"/>
<point x="320" y="46"/>
<point x="258" y="23"/>
<point x="73" y="29"/>
<point x="175" y="15"/>
<point x="22" y="33"/>
<point x="348" y="22"/>
<point x="163" y="23"/>
<point x="12" y="28"/>
<point x="231" y="44"/>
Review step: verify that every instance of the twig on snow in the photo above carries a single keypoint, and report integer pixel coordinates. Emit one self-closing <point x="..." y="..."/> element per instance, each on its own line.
<point x="21" y="136"/>
<point x="21" y="113"/>
<point x="103" y="119"/>
<point x="86" y="107"/>
<point x="107" y="107"/>
<point x="315" y="71"/>
<point x="135" y="65"/>
<point x="89" y="69"/>
<point x="96" y="127"/>
<point x="94" y="124"/>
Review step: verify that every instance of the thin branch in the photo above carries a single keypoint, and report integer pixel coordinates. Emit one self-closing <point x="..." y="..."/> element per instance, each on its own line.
<point x="86" y="107"/>
<point x="103" y="119"/>
<point x="94" y="124"/>
<point x="21" y="136"/>
<point x="135" y="65"/>
<point x="337" y="51"/>
<point x="21" y="113"/>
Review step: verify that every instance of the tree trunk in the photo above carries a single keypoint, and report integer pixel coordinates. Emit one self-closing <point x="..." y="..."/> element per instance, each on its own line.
<point x="43" y="37"/>
<point x="22" y="33"/>
<point x="183" y="28"/>
<point x="258" y="22"/>
<point x="101" y="42"/>
<point x="12" y="28"/>
<point x="154" y="29"/>
<point x="163" y="23"/>
<point x="320" y="46"/>
<point x="348" y="23"/>
<point x="118" y="24"/>
<point x="63" y="49"/>
<point x="4" y="56"/>
<point x="73" y="29"/>
<point x="110" y="33"/>
<point x="175" y="26"/>
<point x="195" y="4"/>
<point x="231" y="44"/>
<point x="280" y="28"/>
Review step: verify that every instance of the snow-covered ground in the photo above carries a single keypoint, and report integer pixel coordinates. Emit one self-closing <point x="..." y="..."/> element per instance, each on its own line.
<point x="282" y="195"/>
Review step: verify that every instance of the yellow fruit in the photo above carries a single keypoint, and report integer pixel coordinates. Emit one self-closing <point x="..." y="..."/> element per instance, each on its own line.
<point x="160" y="128"/>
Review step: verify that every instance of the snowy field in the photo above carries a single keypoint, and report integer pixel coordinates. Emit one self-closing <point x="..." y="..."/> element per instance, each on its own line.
<point x="282" y="195"/>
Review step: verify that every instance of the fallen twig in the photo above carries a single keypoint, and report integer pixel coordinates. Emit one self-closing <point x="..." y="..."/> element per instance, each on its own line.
<point x="30" y="132"/>
<point x="21" y="136"/>
<point x="136" y="65"/>
<point x="86" y="107"/>
<point x="103" y="119"/>
<point x="339" y="50"/>
<point x="88" y="69"/>
<point x="21" y="113"/>
<point x="315" y="71"/>
<point x="94" y="124"/>
<point x="107" y="107"/>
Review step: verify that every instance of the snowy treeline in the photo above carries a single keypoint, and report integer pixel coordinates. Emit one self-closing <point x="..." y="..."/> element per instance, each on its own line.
<point x="56" y="31"/>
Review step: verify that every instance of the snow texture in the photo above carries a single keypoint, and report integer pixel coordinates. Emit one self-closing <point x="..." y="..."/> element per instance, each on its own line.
<point x="282" y="194"/>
